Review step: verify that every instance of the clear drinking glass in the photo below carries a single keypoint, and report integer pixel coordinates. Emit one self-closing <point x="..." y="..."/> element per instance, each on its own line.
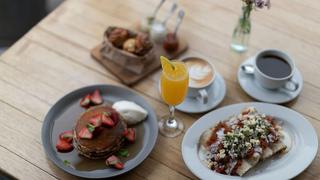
<point x="174" y="87"/>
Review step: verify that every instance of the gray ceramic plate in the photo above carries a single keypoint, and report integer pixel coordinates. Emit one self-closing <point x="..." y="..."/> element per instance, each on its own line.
<point x="62" y="116"/>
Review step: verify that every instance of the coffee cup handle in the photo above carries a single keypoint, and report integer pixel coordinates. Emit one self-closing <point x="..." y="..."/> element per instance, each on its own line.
<point x="203" y="96"/>
<point x="291" y="85"/>
<point x="247" y="68"/>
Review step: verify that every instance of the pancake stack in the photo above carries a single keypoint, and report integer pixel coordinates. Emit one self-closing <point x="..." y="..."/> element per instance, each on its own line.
<point x="106" y="140"/>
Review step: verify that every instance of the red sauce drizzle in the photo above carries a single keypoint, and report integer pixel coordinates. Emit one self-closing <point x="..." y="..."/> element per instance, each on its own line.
<point x="250" y="153"/>
<point x="240" y="124"/>
<point x="214" y="135"/>
<point x="245" y="112"/>
<point x="270" y="119"/>
<point x="234" y="170"/>
<point x="220" y="170"/>
<point x="263" y="144"/>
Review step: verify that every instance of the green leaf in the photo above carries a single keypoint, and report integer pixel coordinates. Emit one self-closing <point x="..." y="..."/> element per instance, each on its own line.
<point x="107" y="113"/>
<point x="123" y="153"/>
<point x="90" y="127"/>
<point x="67" y="136"/>
<point x="66" y="162"/>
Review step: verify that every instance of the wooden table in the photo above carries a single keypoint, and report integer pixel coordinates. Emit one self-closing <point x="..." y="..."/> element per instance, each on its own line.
<point x="54" y="59"/>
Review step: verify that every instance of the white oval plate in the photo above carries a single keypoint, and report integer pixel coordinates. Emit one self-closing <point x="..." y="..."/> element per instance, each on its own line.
<point x="303" y="151"/>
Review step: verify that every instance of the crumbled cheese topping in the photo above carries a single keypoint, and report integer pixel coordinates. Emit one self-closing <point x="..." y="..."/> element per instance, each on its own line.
<point x="249" y="133"/>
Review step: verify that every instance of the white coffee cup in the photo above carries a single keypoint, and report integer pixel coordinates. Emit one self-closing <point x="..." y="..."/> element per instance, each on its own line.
<point x="267" y="81"/>
<point x="206" y="70"/>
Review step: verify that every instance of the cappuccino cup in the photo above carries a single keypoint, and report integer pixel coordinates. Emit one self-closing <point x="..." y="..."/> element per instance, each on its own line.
<point x="201" y="77"/>
<point x="273" y="69"/>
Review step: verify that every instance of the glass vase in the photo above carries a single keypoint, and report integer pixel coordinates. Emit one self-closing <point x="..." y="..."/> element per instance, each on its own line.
<point x="241" y="33"/>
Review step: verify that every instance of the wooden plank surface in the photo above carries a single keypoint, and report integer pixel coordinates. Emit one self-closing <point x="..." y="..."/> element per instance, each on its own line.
<point x="54" y="59"/>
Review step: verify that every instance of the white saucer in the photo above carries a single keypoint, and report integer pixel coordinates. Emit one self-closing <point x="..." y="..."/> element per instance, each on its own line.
<point x="218" y="91"/>
<point x="253" y="89"/>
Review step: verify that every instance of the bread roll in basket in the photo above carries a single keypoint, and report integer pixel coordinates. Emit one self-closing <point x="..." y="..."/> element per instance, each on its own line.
<point x="142" y="50"/>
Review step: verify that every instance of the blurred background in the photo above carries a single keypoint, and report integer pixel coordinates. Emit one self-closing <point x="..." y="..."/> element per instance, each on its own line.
<point x="18" y="16"/>
<point x="4" y="176"/>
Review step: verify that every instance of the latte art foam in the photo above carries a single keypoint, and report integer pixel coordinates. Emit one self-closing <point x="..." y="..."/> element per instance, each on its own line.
<point x="200" y="72"/>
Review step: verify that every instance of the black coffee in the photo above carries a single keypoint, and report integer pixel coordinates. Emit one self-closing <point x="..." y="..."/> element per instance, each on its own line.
<point x="274" y="66"/>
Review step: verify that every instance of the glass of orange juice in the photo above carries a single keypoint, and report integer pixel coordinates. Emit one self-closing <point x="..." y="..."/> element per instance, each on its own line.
<point x="174" y="82"/>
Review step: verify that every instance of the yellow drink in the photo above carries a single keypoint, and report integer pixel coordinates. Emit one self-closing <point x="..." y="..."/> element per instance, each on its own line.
<point x="174" y="82"/>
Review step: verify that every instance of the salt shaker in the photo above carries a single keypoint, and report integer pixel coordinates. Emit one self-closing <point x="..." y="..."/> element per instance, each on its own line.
<point x="146" y="23"/>
<point x="158" y="29"/>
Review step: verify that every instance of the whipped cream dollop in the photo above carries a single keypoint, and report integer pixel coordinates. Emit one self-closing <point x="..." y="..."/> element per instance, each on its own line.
<point x="131" y="112"/>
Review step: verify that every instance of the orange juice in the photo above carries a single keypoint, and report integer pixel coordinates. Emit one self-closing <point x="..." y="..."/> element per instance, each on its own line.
<point x="174" y="82"/>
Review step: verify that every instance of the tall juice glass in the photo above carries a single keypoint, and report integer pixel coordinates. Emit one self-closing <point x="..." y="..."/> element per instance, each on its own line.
<point x="174" y="82"/>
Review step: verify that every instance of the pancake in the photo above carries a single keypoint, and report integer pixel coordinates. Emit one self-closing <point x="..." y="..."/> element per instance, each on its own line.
<point x="107" y="141"/>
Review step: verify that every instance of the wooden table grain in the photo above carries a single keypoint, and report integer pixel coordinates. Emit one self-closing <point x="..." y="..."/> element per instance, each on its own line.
<point x="54" y="58"/>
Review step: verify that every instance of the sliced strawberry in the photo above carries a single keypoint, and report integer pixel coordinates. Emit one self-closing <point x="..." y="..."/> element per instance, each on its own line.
<point x="64" y="146"/>
<point x="115" y="162"/>
<point x="96" y="120"/>
<point x="85" y="101"/>
<point x="85" y="134"/>
<point x="119" y="165"/>
<point x="96" y="97"/>
<point x="131" y="135"/>
<point x="125" y="132"/>
<point x="106" y="120"/>
<point x="66" y="136"/>
<point x="115" y="117"/>
<point x="112" y="160"/>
